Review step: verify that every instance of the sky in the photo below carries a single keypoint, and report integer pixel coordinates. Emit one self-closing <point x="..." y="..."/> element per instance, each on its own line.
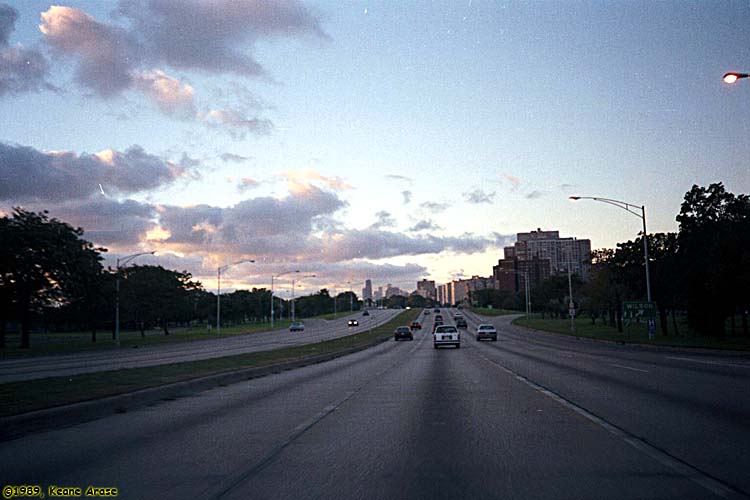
<point x="387" y="140"/>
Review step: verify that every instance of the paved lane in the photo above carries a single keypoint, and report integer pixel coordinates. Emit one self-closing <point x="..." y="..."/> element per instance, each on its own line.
<point x="695" y="405"/>
<point x="400" y="420"/>
<point x="89" y="362"/>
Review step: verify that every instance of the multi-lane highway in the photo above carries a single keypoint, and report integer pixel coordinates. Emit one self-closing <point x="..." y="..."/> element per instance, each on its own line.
<point x="316" y="330"/>
<point x="531" y="416"/>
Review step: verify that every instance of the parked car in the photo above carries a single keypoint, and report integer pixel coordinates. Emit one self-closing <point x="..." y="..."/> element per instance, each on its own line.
<point x="402" y="332"/>
<point x="446" y="335"/>
<point x="461" y="322"/>
<point x="366" y="313"/>
<point x="486" y="332"/>
<point x="297" y="326"/>
<point x="415" y="325"/>
<point x="353" y="322"/>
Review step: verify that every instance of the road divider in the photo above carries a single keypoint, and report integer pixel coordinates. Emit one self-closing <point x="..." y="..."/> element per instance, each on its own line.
<point x="37" y="405"/>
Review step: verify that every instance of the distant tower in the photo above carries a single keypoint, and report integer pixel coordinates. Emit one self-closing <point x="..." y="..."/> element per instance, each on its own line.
<point x="367" y="290"/>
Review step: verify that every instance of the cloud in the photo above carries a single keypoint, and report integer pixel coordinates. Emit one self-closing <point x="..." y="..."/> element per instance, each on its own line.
<point x="257" y="226"/>
<point x="8" y="17"/>
<point x="533" y="195"/>
<point x="217" y="36"/>
<point x="514" y="181"/>
<point x="172" y="96"/>
<point x="214" y="37"/>
<point x="246" y="183"/>
<point x="107" y="221"/>
<point x="398" y="177"/>
<point x="434" y="207"/>
<point x="27" y="174"/>
<point x="227" y="157"/>
<point x="237" y="125"/>
<point x="372" y="243"/>
<point x="21" y="69"/>
<point x="106" y="54"/>
<point x="305" y="179"/>
<point x="425" y="225"/>
<point x="407" y="196"/>
<point x="478" y="196"/>
<point x="384" y="219"/>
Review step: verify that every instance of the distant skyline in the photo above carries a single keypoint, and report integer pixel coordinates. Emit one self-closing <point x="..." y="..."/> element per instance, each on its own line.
<point x="394" y="141"/>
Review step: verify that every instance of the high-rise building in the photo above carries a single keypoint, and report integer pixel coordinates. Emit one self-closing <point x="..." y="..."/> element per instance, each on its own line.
<point x="367" y="290"/>
<point x="426" y="288"/>
<point x="378" y="293"/>
<point x="541" y="254"/>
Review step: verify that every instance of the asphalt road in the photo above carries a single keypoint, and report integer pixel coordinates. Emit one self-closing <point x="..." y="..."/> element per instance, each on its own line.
<point x="532" y="416"/>
<point x="316" y="330"/>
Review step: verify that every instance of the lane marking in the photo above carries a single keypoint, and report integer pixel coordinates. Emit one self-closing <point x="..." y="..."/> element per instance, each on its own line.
<point x="717" y="363"/>
<point x="236" y="479"/>
<point x="712" y="484"/>
<point x="629" y="368"/>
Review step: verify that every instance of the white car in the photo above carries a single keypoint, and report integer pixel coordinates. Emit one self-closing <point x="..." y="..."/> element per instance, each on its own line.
<point x="446" y="335"/>
<point x="486" y="332"/>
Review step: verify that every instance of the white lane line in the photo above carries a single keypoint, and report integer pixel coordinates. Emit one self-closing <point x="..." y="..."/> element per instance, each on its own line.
<point x="683" y="468"/>
<point x="629" y="368"/>
<point x="717" y="363"/>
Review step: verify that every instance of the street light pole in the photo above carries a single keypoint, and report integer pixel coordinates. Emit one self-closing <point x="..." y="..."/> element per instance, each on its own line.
<point x="272" y="278"/>
<point x="293" y="305"/>
<point x="122" y="262"/>
<point x="220" y="270"/>
<point x="631" y="208"/>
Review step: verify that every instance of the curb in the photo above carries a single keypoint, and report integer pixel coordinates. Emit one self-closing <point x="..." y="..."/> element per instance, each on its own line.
<point x="16" y="426"/>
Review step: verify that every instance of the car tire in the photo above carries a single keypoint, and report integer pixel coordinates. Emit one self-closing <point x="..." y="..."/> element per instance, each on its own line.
<point x="458" y="346"/>
<point x="435" y="346"/>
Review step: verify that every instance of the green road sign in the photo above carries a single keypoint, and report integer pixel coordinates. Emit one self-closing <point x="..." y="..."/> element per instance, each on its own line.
<point x="633" y="310"/>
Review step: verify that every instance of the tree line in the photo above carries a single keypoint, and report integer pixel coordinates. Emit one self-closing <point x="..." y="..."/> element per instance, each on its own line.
<point x="52" y="278"/>
<point x="701" y="271"/>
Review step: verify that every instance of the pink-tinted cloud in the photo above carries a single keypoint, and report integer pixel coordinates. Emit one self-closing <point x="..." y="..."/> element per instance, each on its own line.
<point x="105" y="54"/>
<point x="172" y="96"/>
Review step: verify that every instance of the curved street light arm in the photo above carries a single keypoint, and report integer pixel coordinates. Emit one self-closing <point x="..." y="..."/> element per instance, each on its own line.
<point x="628" y="207"/>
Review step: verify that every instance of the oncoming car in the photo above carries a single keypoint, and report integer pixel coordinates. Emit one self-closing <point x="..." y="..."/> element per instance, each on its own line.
<point x="446" y="335"/>
<point x="297" y="326"/>
<point x="402" y="332"/>
<point x="486" y="332"/>
<point x="353" y="322"/>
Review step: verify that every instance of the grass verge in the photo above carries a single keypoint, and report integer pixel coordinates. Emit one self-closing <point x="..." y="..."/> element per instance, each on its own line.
<point x="72" y="342"/>
<point x="484" y="311"/>
<point x="635" y="334"/>
<point x="22" y="397"/>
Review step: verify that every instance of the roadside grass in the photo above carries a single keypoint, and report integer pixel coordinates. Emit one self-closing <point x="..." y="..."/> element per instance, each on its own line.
<point x="494" y="312"/>
<point x="634" y="334"/>
<point x="44" y="343"/>
<point x="26" y="396"/>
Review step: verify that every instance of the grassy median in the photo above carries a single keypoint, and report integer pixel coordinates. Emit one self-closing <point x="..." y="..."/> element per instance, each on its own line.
<point x="22" y="397"/>
<point x="634" y="334"/>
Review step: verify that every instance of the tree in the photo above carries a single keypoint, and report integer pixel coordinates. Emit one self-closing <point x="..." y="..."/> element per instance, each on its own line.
<point x="152" y="295"/>
<point x="43" y="262"/>
<point x="714" y="241"/>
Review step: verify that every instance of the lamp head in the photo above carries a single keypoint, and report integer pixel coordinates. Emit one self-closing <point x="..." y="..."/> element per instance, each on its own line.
<point x="731" y="78"/>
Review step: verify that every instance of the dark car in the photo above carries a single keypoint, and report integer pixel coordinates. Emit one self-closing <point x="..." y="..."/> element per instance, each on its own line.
<point x="461" y="323"/>
<point x="297" y="326"/>
<point x="436" y="310"/>
<point x="415" y="325"/>
<point x="353" y="322"/>
<point x="402" y="332"/>
<point x="366" y="313"/>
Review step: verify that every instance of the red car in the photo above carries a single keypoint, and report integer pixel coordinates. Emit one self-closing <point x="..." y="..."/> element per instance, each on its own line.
<point x="415" y="325"/>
